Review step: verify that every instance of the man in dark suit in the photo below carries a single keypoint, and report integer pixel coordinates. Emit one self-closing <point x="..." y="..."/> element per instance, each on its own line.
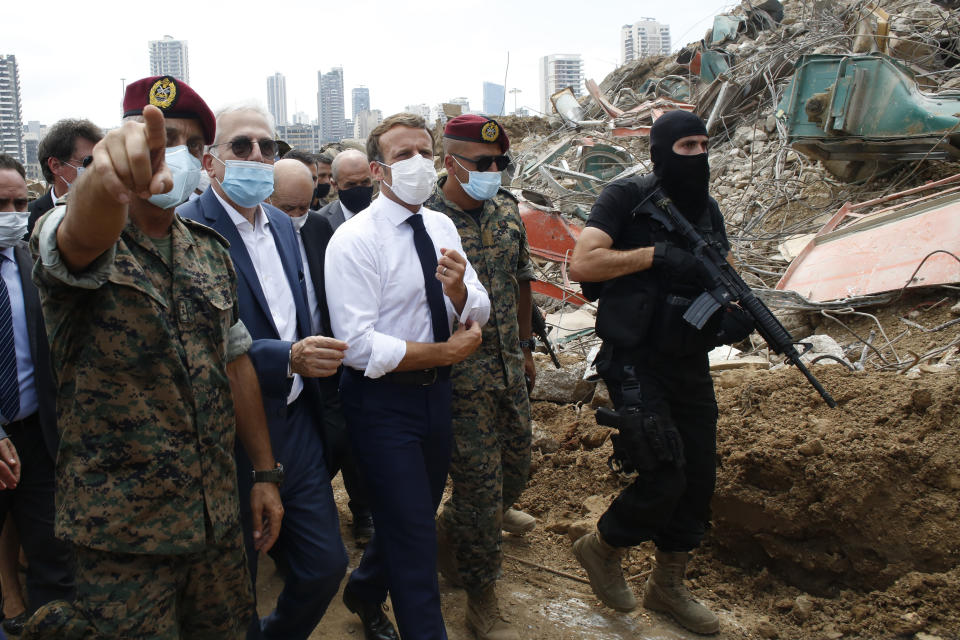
<point x="62" y="154"/>
<point x="354" y="182"/>
<point x="287" y="357"/>
<point x="292" y="189"/>
<point x="28" y="413"/>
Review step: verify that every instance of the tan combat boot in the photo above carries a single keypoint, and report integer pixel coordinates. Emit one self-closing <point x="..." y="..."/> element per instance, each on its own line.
<point x="518" y="522"/>
<point x="602" y="563"/>
<point x="484" y="619"/>
<point x="666" y="592"/>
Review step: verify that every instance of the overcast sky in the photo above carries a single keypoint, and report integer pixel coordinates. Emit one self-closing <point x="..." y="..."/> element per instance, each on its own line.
<point x="74" y="56"/>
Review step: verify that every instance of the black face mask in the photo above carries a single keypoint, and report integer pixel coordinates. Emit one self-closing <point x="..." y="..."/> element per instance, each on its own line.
<point x="356" y="198"/>
<point x="686" y="179"/>
<point x="321" y="191"/>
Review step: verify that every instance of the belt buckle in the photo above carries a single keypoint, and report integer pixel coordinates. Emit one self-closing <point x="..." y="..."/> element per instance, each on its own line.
<point x="432" y="379"/>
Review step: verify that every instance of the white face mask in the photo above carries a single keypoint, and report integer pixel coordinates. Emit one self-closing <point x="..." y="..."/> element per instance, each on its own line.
<point x="299" y="222"/>
<point x="13" y="225"/>
<point x="413" y="179"/>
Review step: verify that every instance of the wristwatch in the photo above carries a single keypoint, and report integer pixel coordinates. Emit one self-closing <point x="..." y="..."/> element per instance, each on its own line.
<point x="528" y="343"/>
<point x="274" y="475"/>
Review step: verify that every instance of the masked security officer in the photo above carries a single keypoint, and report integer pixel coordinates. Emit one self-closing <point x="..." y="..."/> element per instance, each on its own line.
<point x="656" y="368"/>
<point x="491" y="411"/>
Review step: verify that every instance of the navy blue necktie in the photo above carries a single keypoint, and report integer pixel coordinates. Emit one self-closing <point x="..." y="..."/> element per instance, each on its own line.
<point x="9" y="379"/>
<point x="428" y="263"/>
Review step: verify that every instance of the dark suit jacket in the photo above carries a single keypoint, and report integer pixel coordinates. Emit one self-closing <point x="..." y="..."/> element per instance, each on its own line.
<point x="270" y="354"/>
<point x="40" y="350"/>
<point x="316" y="233"/>
<point x="333" y="212"/>
<point x="37" y="208"/>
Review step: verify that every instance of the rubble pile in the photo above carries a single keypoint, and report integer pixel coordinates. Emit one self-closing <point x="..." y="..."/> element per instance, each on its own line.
<point x="737" y="78"/>
<point x="829" y="523"/>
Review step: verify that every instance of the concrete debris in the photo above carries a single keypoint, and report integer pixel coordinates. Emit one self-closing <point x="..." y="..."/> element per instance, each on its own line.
<point x="774" y="195"/>
<point x="564" y="386"/>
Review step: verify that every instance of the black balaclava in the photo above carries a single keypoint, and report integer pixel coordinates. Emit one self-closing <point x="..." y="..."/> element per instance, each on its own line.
<point x="686" y="179"/>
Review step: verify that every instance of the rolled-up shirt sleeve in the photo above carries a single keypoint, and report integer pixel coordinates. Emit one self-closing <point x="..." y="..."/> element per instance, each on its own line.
<point x="52" y="266"/>
<point x="238" y="341"/>
<point x="353" y="296"/>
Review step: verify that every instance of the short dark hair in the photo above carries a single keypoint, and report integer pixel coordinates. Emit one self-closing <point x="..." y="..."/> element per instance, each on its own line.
<point x="9" y="162"/>
<point x="305" y="157"/>
<point x="411" y="120"/>
<point x="61" y="140"/>
<point x="324" y="159"/>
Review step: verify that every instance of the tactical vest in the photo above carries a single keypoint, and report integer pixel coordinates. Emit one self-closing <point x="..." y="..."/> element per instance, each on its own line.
<point x="646" y="308"/>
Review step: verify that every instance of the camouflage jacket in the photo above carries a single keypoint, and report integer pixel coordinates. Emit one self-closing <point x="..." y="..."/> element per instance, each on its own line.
<point x="139" y="350"/>
<point x="497" y="249"/>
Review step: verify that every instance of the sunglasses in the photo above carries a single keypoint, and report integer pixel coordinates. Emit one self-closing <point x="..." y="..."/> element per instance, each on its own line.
<point x="242" y="146"/>
<point x="483" y="162"/>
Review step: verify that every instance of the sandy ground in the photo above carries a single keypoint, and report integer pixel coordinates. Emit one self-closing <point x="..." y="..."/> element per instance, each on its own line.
<point x="827" y="523"/>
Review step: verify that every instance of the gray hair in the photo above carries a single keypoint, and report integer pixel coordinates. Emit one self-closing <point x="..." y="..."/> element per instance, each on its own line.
<point x="239" y="107"/>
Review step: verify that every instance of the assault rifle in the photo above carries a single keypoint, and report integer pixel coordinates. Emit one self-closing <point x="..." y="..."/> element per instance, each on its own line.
<point x="540" y="330"/>
<point x="725" y="286"/>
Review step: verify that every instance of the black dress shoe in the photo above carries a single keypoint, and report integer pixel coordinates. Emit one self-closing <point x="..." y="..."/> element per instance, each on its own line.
<point x="376" y="625"/>
<point x="362" y="529"/>
<point x="14" y="625"/>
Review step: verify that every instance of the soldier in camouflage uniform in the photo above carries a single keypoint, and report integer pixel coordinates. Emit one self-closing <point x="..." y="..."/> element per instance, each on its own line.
<point x="491" y="410"/>
<point x="151" y="363"/>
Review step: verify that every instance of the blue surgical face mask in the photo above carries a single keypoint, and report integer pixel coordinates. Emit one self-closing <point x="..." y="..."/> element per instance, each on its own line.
<point x="185" y="169"/>
<point x="247" y="182"/>
<point x="480" y="185"/>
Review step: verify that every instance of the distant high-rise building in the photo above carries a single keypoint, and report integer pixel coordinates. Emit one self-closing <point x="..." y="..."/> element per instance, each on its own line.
<point x="301" y="117"/>
<point x="643" y="38"/>
<point x="493" y="96"/>
<point x="557" y="71"/>
<point x="168" y="57"/>
<point x="365" y="122"/>
<point x="11" y="115"/>
<point x="359" y="101"/>
<point x="277" y="97"/>
<point x="330" y="104"/>
<point x="305" y="137"/>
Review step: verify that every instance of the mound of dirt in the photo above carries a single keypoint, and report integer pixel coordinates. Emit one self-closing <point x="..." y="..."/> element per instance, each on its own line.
<point x="828" y="523"/>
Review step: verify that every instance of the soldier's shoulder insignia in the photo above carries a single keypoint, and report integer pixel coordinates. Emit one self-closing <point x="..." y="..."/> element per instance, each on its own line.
<point x="490" y="132"/>
<point x="163" y="93"/>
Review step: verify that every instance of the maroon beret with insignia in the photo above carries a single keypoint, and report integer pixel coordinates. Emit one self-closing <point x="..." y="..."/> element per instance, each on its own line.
<point x="474" y="128"/>
<point x="173" y="97"/>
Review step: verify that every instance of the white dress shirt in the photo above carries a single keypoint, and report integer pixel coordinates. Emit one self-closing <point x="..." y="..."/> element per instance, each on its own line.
<point x="21" y="339"/>
<point x="375" y="287"/>
<point x="258" y="239"/>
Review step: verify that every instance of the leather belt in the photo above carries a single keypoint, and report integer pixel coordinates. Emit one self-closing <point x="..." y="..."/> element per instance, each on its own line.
<point x="418" y="378"/>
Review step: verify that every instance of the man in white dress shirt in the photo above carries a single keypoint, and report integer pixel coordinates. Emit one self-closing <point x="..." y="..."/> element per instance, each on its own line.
<point x="396" y="279"/>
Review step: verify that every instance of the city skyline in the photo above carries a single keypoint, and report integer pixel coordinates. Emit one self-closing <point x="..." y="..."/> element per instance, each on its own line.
<point x="420" y="70"/>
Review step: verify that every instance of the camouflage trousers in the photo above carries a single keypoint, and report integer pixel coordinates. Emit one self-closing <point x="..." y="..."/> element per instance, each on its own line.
<point x="123" y="596"/>
<point x="489" y="466"/>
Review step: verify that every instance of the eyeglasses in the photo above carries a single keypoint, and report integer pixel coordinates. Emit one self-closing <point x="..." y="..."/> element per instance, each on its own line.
<point x="242" y="146"/>
<point x="83" y="164"/>
<point x="483" y="162"/>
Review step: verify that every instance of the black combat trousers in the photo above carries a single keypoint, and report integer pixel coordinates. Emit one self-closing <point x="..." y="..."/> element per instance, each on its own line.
<point x="670" y="506"/>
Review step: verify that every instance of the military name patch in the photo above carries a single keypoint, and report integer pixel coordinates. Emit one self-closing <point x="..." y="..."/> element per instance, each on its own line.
<point x="490" y="132"/>
<point x="163" y="93"/>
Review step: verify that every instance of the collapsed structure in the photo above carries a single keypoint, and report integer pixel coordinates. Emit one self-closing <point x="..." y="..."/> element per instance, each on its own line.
<point x="835" y="140"/>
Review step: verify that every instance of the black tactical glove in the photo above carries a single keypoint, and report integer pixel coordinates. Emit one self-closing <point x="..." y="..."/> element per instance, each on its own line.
<point x="735" y="325"/>
<point x="680" y="263"/>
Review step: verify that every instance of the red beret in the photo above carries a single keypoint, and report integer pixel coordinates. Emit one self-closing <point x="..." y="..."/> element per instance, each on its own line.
<point x="474" y="128"/>
<point x="173" y="97"/>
